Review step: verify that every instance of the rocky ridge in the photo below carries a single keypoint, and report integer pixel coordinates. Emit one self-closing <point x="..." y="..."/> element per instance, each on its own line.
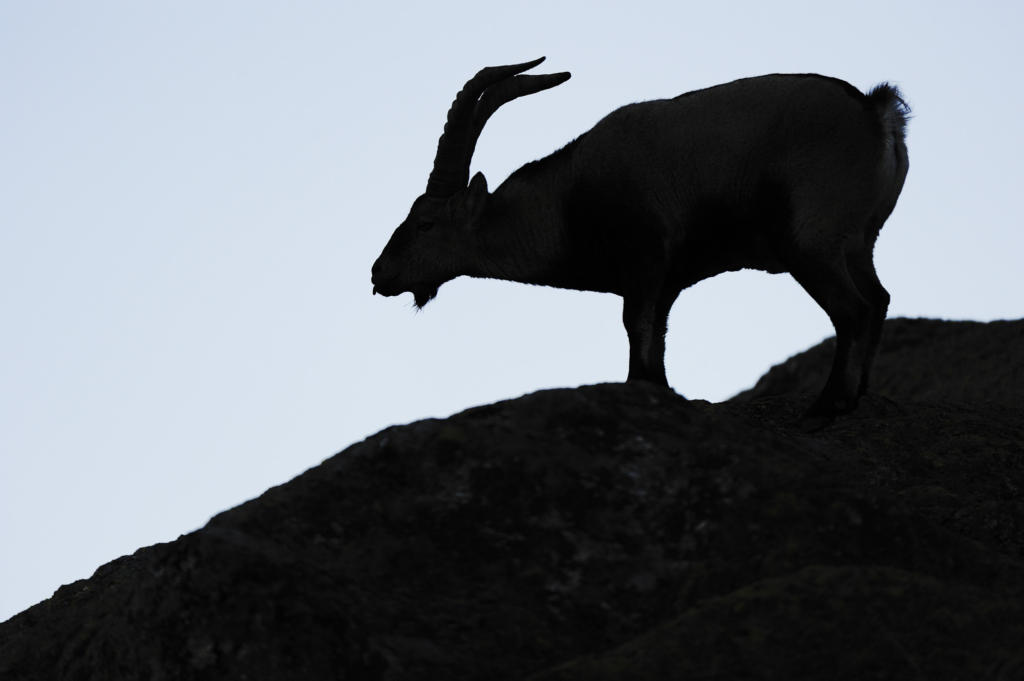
<point x="614" y="531"/>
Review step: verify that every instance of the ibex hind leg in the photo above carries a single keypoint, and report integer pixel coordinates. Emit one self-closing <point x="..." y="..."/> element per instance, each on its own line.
<point x="830" y="283"/>
<point x="862" y="271"/>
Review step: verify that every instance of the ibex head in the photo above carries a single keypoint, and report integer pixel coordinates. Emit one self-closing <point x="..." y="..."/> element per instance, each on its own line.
<point x="427" y="248"/>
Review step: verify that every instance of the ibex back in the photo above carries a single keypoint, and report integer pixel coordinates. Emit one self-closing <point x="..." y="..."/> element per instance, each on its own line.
<point x="781" y="173"/>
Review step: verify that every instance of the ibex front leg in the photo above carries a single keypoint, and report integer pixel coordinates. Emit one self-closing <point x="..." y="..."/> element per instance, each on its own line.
<point x="646" y="322"/>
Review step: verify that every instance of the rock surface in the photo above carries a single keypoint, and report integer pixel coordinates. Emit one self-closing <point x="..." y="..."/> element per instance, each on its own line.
<point x="606" y="532"/>
<point x="920" y="359"/>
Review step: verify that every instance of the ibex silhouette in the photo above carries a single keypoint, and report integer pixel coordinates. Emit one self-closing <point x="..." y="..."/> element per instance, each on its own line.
<point x="781" y="173"/>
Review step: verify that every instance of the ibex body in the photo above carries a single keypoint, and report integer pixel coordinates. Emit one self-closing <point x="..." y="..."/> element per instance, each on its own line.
<point x="781" y="173"/>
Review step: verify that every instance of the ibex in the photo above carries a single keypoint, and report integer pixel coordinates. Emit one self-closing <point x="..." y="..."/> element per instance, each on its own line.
<point x="781" y="173"/>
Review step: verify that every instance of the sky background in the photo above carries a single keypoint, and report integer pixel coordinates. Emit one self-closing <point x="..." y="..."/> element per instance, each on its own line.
<point x="192" y="195"/>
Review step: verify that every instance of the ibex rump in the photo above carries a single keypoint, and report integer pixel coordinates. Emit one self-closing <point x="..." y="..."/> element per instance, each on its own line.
<point x="781" y="173"/>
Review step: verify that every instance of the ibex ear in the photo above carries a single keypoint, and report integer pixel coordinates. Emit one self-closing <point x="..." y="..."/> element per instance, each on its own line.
<point x="475" y="197"/>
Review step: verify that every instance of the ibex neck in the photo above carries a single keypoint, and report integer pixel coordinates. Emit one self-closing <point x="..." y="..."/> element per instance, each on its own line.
<point x="519" y="237"/>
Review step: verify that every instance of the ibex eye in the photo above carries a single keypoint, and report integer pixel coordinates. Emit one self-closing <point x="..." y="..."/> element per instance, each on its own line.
<point x="424" y="226"/>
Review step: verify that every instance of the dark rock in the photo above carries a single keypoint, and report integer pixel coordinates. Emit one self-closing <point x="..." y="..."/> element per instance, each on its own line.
<point x="920" y="359"/>
<point x="825" y="622"/>
<point x="607" y="532"/>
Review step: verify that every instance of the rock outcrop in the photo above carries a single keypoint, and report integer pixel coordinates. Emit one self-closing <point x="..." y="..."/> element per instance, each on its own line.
<point x="920" y="359"/>
<point x="607" y="532"/>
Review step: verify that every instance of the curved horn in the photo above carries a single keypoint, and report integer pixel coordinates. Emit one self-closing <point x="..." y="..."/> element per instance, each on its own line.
<point x="503" y="93"/>
<point x="468" y="114"/>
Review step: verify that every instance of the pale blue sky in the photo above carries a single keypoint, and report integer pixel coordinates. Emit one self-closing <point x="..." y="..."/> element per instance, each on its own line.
<point x="192" y="194"/>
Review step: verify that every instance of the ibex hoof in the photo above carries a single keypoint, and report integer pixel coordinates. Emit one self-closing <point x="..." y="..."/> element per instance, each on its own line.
<point x="812" y="422"/>
<point x="824" y="411"/>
